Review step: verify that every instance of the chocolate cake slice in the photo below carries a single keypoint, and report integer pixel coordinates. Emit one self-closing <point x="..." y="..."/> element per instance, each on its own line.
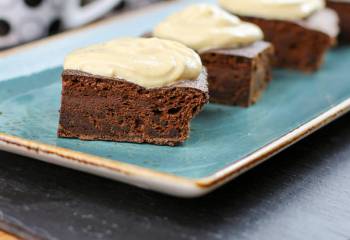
<point x="343" y="10"/>
<point x="237" y="60"/>
<point x="100" y="108"/>
<point x="238" y="76"/>
<point x="300" y="44"/>
<point x="141" y="90"/>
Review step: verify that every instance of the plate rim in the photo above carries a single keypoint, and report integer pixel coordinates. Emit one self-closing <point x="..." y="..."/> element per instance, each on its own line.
<point x="161" y="181"/>
<point x="145" y="177"/>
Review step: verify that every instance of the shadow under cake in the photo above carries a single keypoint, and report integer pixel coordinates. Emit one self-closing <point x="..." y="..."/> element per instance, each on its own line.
<point x="343" y="10"/>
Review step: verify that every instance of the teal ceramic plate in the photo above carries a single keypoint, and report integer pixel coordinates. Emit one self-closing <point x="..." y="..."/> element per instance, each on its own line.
<point x="224" y="142"/>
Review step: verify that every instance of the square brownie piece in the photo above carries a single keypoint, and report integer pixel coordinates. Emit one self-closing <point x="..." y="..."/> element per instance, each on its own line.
<point x="101" y="108"/>
<point x="238" y="76"/>
<point x="300" y="44"/>
<point x="343" y="10"/>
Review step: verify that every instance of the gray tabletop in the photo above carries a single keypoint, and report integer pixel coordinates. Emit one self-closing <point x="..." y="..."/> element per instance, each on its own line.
<point x="302" y="193"/>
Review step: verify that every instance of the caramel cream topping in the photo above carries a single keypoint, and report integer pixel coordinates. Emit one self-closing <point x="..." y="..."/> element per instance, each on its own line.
<point x="148" y="62"/>
<point x="274" y="9"/>
<point x="203" y="27"/>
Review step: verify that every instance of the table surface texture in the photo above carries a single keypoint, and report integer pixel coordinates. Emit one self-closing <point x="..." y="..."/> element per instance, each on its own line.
<point x="302" y="193"/>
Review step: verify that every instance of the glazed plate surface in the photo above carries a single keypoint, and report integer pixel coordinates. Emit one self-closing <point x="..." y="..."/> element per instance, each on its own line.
<point x="225" y="141"/>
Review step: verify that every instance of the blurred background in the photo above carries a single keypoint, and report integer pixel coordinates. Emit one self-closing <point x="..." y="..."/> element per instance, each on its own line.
<point x="22" y="21"/>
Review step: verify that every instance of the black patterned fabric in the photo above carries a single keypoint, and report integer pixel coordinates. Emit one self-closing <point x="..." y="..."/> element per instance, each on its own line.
<point x="5" y="27"/>
<point x="26" y="20"/>
<point x="33" y="3"/>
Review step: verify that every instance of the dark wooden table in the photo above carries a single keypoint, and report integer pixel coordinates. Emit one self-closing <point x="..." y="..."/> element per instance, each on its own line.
<point x="302" y="193"/>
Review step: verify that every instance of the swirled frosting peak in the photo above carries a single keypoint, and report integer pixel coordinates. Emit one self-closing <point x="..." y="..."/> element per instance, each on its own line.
<point x="274" y="9"/>
<point x="148" y="62"/>
<point x="204" y="27"/>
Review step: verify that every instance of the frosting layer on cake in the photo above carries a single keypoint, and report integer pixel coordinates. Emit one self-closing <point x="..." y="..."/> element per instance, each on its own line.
<point x="203" y="27"/>
<point x="148" y="62"/>
<point x="274" y="9"/>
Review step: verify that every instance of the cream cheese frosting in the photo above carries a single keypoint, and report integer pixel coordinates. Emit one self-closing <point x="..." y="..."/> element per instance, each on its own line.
<point x="148" y="62"/>
<point x="274" y="9"/>
<point x="203" y="27"/>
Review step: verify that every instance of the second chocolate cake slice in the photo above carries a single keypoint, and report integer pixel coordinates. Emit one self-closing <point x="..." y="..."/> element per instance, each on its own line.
<point x="238" y="62"/>
<point x="238" y="76"/>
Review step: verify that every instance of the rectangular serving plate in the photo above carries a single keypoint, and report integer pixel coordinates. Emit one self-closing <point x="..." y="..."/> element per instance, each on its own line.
<point x="225" y="141"/>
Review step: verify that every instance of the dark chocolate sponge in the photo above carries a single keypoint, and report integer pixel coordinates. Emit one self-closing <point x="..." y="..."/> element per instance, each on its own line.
<point x="100" y="108"/>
